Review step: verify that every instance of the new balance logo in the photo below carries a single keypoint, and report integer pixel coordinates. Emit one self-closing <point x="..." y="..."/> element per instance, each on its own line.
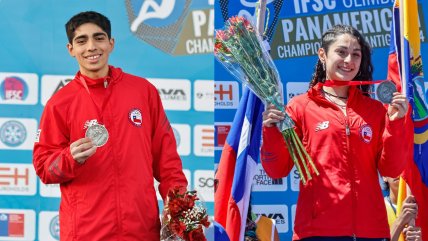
<point x="322" y="125"/>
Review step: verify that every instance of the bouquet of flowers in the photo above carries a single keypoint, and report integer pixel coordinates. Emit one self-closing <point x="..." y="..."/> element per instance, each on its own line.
<point x="240" y="49"/>
<point x="183" y="216"/>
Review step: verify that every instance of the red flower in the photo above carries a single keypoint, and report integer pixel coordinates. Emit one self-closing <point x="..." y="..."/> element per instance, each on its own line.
<point x="177" y="228"/>
<point x="205" y="222"/>
<point x="182" y="218"/>
<point x="196" y="235"/>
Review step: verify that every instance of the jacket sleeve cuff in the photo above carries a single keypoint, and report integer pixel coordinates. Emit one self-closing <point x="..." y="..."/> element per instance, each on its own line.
<point x="69" y="158"/>
<point x="395" y="126"/>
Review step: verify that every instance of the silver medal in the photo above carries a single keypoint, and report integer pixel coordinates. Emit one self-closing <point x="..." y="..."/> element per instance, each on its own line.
<point x="385" y="91"/>
<point x="98" y="134"/>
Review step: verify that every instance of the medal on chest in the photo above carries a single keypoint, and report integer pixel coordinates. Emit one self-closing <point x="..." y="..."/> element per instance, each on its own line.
<point x="97" y="133"/>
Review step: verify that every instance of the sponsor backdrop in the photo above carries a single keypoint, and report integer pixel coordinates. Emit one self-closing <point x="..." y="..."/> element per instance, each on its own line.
<point x="295" y="41"/>
<point x="170" y="42"/>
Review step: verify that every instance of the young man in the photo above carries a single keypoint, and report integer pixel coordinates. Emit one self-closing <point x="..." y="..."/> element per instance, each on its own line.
<point x="104" y="137"/>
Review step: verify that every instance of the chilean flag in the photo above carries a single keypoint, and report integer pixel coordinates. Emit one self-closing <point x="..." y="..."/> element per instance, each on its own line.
<point x="237" y="166"/>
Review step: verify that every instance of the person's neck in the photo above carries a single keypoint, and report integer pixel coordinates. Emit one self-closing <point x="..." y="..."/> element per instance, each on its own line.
<point x="339" y="91"/>
<point x="96" y="75"/>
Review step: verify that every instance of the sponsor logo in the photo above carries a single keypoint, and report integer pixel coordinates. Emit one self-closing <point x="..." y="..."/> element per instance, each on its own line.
<point x="294" y="180"/>
<point x="174" y="93"/>
<point x="13" y="88"/>
<point x="17" y="179"/>
<point x="226" y="94"/>
<point x="221" y="130"/>
<point x="12" y="224"/>
<point x="366" y="133"/>
<point x="136" y="117"/>
<point x="17" y="224"/>
<point x="204" y="140"/>
<point x="262" y="182"/>
<point x="52" y="84"/>
<point x="204" y="184"/>
<point x="13" y="133"/>
<point x="54" y="227"/>
<point x="49" y="226"/>
<point x="279" y="213"/>
<point x="322" y="125"/>
<point x="182" y="138"/>
<point x="204" y="95"/>
<point x="18" y="88"/>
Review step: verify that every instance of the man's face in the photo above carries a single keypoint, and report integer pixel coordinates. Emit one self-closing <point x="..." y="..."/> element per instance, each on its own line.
<point x="91" y="48"/>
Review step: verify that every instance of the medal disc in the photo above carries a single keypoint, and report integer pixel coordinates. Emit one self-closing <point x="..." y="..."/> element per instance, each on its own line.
<point x="98" y="134"/>
<point x="385" y="91"/>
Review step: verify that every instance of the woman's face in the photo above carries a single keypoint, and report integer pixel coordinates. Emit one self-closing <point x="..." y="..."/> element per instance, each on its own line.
<point x="343" y="59"/>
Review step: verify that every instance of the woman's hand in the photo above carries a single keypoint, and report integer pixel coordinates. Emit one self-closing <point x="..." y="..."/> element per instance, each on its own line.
<point x="272" y="116"/>
<point x="398" y="107"/>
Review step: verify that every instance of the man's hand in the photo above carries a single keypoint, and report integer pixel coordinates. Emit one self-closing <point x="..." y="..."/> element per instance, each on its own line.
<point x="82" y="149"/>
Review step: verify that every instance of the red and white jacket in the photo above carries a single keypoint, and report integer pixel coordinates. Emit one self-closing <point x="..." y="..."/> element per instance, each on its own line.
<point x="348" y="151"/>
<point x="111" y="196"/>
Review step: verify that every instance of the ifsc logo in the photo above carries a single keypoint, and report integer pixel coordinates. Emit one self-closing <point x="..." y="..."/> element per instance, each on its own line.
<point x="157" y="22"/>
<point x="13" y="88"/>
<point x="54" y="227"/>
<point x="13" y="133"/>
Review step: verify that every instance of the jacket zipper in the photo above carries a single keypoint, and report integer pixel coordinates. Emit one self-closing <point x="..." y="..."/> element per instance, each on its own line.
<point x="348" y="133"/>
<point x="105" y="83"/>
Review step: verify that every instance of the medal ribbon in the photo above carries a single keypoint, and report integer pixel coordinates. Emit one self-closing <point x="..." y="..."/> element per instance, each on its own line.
<point x="83" y="81"/>
<point x="330" y="83"/>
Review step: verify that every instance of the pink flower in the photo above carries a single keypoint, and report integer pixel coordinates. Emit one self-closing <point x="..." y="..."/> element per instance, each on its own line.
<point x="220" y="34"/>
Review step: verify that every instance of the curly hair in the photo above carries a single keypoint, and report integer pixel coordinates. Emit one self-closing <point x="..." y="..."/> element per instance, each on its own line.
<point x="366" y="68"/>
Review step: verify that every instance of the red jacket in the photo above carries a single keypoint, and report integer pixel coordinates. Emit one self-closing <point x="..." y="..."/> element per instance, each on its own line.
<point x="111" y="196"/>
<point x="345" y="199"/>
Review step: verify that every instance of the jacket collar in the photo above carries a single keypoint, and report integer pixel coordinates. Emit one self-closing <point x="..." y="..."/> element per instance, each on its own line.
<point x="315" y="93"/>
<point x="113" y="76"/>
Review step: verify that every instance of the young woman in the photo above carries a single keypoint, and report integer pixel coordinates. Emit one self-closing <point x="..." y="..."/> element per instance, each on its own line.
<point x="349" y="136"/>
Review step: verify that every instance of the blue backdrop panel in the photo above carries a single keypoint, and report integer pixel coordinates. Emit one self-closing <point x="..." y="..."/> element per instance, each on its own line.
<point x="295" y="35"/>
<point x="171" y="47"/>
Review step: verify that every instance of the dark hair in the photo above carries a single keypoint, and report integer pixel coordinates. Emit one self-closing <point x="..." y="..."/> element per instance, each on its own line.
<point x="366" y="68"/>
<point x="87" y="17"/>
